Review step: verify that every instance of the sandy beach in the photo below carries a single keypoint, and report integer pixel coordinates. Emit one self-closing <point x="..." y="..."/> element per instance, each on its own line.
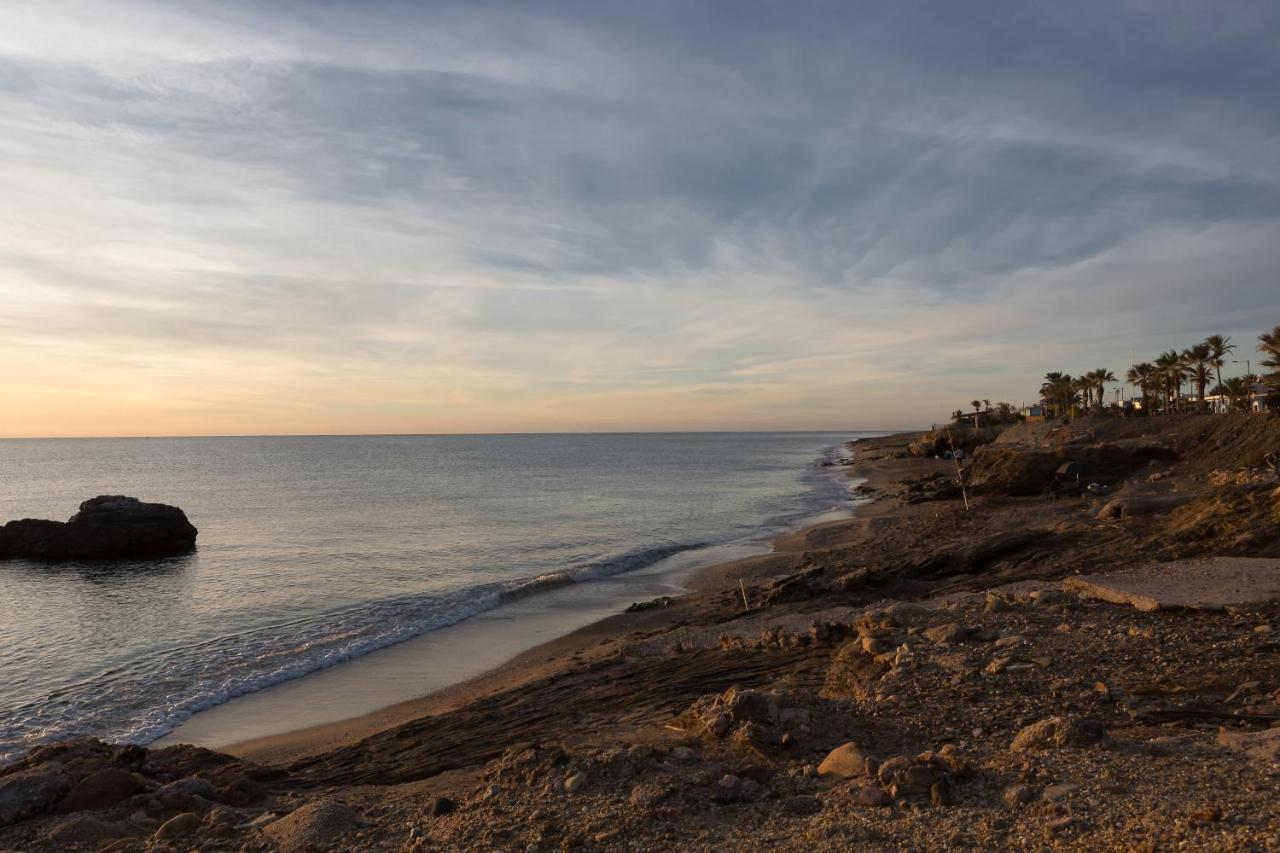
<point x="917" y="676"/>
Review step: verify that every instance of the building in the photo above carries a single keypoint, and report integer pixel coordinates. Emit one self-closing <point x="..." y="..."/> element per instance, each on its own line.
<point x="1221" y="403"/>
<point x="1035" y="413"/>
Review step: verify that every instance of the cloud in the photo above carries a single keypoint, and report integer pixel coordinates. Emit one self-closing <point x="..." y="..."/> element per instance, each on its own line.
<point x="602" y="216"/>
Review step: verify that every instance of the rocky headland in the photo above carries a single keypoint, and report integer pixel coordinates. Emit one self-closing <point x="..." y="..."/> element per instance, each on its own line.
<point x="1080" y="660"/>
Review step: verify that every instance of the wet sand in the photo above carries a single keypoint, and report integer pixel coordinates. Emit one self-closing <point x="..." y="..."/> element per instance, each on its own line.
<point x="491" y="651"/>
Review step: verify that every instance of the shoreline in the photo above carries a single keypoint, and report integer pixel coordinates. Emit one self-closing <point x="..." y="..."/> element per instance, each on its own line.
<point x="215" y="727"/>
<point x="542" y="660"/>
<point x="1075" y="668"/>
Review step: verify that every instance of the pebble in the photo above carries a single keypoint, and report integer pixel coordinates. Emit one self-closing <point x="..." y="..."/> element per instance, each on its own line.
<point x="576" y="782"/>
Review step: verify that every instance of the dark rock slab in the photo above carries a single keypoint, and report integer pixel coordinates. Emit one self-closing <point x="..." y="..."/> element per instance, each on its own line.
<point x="106" y="527"/>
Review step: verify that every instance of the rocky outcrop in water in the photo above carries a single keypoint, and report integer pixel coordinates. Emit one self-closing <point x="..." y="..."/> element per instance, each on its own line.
<point x="106" y="527"/>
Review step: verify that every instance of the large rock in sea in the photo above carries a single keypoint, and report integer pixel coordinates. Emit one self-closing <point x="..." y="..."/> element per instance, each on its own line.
<point x="106" y="527"/>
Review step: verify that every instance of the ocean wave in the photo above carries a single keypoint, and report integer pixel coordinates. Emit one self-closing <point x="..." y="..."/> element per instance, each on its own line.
<point x="152" y="697"/>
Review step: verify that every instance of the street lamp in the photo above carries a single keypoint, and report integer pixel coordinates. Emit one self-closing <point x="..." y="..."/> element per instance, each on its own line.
<point x="1248" y="369"/>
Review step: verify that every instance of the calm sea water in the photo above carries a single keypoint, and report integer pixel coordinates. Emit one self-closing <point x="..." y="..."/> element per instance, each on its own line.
<point x="315" y="550"/>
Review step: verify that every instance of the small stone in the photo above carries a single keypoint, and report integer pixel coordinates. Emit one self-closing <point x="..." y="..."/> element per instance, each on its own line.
<point x="180" y="825"/>
<point x="1046" y="597"/>
<point x="873" y="797"/>
<point x="1262" y="629"/>
<point x="1018" y="795"/>
<point x="997" y="603"/>
<point x="1061" y="791"/>
<point x="893" y="769"/>
<point x="576" y="782"/>
<point x="222" y="816"/>
<point x="1059" y="731"/>
<point x="952" y="632"/>
<point x="845" y="761"/>
<point x="1064" y="824"/>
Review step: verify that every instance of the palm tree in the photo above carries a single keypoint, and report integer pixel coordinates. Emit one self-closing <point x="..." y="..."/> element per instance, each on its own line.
<point x="1099" y="379"/>
<point x="1142" y="376"/>
<point x="1058" y="391"/>
<point x="1269" y="345"/>
<point x="1083" y="386"/>
<point x="1220" y="347"/>
<point x="1238" y="390"/>
<point x="1172" y="374"/>
<point x="1198" y="360"/>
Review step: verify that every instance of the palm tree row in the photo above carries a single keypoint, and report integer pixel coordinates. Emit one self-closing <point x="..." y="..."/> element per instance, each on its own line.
<point x="1160" y="382"/>
<point x="1064" y="392"/>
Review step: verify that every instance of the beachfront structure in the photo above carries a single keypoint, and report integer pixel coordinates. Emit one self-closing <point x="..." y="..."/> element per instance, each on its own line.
<point x="1220" y="403"/>
<point x="1035" y="413"/>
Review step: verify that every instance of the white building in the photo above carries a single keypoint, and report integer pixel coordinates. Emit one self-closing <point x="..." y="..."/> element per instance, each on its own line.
<point x="1221" y="403"/>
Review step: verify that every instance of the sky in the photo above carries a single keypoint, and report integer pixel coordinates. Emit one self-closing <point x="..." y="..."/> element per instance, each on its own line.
<point x="385" y="217"/>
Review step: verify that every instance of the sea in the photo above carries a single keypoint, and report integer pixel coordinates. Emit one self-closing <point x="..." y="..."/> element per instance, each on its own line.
<point x="316" y="550"/>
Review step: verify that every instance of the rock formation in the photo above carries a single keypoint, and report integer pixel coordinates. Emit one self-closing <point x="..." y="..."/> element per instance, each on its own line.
<point x="106" y="527"/>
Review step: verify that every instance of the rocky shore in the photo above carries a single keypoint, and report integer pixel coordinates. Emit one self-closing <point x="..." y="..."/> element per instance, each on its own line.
<point x="1083" y="662"/>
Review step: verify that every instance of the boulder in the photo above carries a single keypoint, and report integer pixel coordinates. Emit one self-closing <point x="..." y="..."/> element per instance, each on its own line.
<point x="101" y="789"/>
<point x="31" y="791"/>
<point x="106" y="527"/>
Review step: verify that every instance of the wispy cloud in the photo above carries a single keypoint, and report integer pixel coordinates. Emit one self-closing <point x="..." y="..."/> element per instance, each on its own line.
<point x="252" y="217"/>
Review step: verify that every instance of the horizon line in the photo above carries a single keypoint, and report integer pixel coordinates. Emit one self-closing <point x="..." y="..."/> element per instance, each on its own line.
<point x="441" y="434"/>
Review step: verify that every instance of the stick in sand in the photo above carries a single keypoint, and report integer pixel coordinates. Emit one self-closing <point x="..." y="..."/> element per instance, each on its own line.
<point x="746" y="605"/>
<point x="959" y="475"/>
